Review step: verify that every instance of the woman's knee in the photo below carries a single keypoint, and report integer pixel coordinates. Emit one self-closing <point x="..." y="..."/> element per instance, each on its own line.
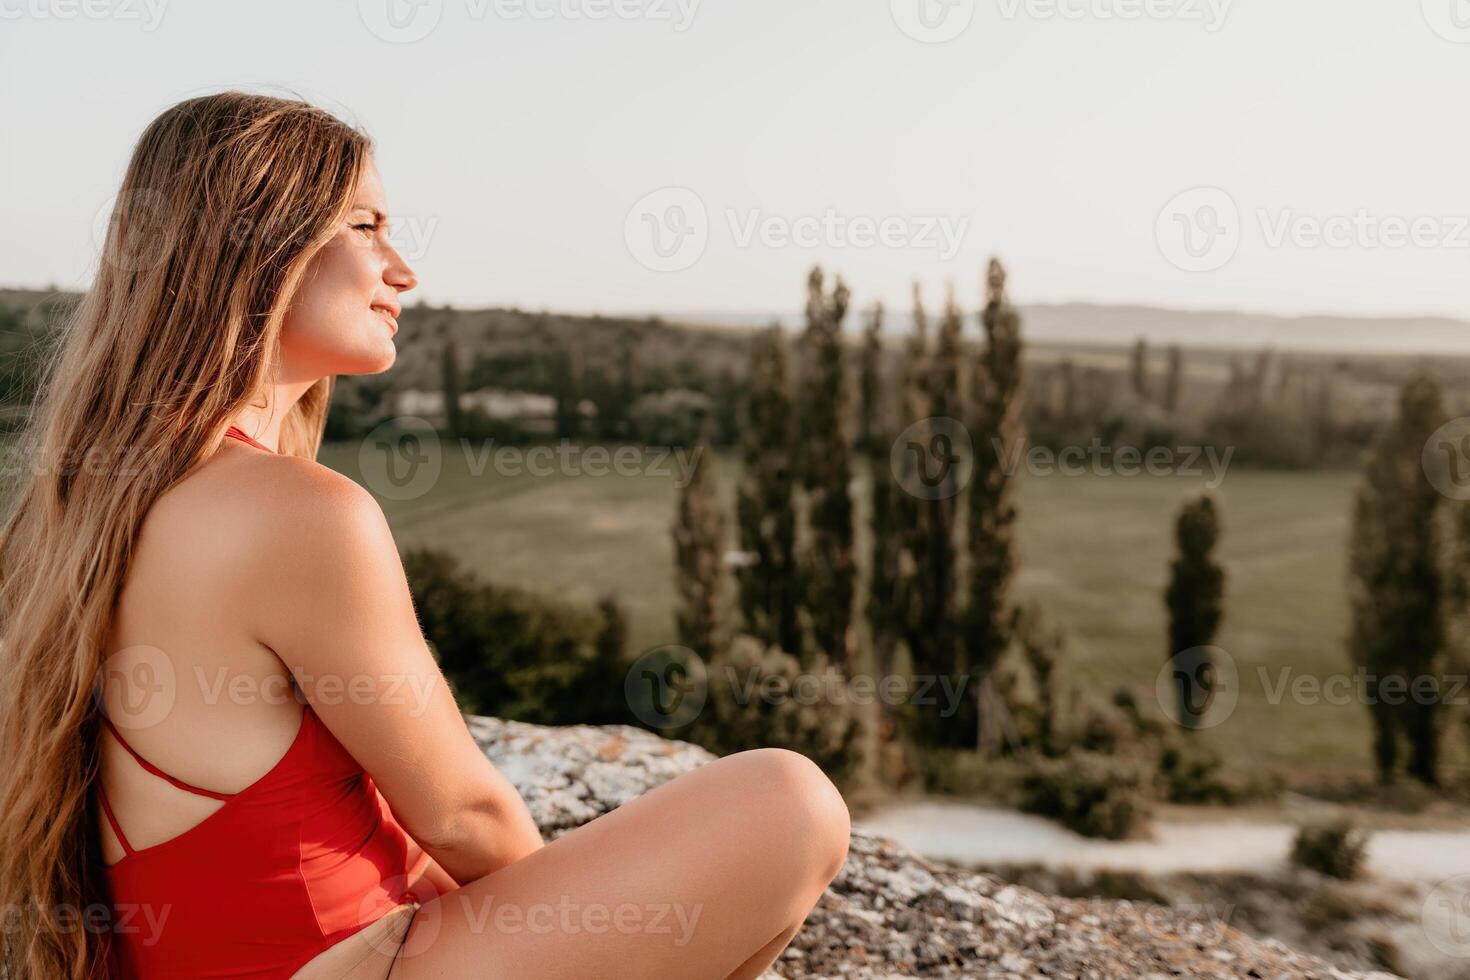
<point x="795" y="794"/>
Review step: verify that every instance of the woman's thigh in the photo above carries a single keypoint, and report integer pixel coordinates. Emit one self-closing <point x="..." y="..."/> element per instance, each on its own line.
<point x="689" y="880"/>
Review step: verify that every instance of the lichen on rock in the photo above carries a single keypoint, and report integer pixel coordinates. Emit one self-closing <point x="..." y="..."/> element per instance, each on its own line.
<point x="891" y="913"/>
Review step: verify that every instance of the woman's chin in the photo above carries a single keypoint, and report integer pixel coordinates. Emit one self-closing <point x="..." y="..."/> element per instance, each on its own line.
<point x="369" y="362"/>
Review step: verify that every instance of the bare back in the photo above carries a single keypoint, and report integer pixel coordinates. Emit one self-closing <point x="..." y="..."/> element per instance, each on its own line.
<point x="191" y="688"/>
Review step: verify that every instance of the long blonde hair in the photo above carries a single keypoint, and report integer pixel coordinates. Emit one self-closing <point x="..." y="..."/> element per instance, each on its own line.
<point x="226" y="199"/>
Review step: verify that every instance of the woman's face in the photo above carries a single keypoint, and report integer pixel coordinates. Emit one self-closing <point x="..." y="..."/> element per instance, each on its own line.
<point x="344" y="315"/>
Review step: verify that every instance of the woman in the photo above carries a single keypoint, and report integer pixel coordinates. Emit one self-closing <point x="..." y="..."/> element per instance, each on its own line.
<point x="212" y="769"/>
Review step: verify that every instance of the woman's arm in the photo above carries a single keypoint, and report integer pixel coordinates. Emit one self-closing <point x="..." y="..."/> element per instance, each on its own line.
<point x="424" y="868"/>
<point x="326" y="591"/>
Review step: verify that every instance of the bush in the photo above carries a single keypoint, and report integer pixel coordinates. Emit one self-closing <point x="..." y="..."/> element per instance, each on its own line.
<point x="670" y="418"/>
<point x="1192" y="773"/>
<point x="1334" y="848"/>
<point x="1102" y="727"/>
<point x="511" y="653"/>
<point x="755" y="701"/>
<point x="1092" y="794"/>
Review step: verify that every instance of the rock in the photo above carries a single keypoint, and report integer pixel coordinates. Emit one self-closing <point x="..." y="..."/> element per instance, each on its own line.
<point x="890" y="913"/>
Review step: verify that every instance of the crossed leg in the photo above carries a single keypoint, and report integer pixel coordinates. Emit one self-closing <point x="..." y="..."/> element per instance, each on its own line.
<point x="706" y="877"/>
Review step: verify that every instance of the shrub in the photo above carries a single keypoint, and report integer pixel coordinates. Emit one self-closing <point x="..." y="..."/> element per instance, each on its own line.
<point x="1092" y="794"/>
<point x="1102" y="727"/>
<point x="1334" y="848"/>
<point x="670" y="418"/>
<point x="1192" y="773"/>
<point x="514" y="654"/>
<point x="755" y="701"/>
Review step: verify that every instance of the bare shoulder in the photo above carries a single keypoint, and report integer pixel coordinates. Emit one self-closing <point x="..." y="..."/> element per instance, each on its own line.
<point x="301" y="501"/>
<point x="320" y="582"/>
<point x="264" y="520"/>
<point x="255" y="491"/>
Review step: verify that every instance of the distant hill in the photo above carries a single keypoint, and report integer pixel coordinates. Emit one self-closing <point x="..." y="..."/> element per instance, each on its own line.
<point x="1091" y="324"/>
<point x="1058" y="324"/>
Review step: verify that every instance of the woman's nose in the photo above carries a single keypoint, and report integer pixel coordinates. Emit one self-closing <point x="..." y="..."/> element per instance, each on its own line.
<point x="399" y="275"/>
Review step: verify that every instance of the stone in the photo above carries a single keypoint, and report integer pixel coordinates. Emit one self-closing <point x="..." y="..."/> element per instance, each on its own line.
<point x="890" y="913"/>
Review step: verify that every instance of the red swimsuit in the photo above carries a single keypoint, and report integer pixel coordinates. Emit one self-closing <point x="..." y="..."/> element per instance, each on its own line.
<point x="297" y="861"/>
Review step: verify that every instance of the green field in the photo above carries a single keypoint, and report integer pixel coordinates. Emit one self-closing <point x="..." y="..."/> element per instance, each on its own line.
<point x="1095" y="552"/>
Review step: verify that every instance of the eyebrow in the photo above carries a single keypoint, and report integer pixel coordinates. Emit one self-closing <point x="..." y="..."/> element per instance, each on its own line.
<point x="377" y="215"/>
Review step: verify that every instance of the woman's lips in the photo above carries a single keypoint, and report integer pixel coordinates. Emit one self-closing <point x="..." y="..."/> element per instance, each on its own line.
<point x="387" y="315"/>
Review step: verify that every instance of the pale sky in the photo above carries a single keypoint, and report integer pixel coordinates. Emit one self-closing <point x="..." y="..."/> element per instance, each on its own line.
<point x="700" y="155"/>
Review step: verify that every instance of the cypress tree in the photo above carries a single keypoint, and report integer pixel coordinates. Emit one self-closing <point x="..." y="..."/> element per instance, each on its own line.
<point x="1260" y="372"/>
<point x="1321" y="415"/>
<point x="699" y="536"/>
<point x="568" y="382"/>
<point x="1194" y="599"/>
<point x="1067" y="409"/>
<point x="1174" y="380"/>
<point x="765" y="504"/>
<point x="1396" y="586"/>
<point x="826" y="471"/>
<point x="910" y="518"/>
<point x="449" y="374"/>
<point x="1139" y="369"/>
<point x="887" y="499"/>
<point x="884" y="609"/>
<point x="870" y="386"/>
<point x="935" y="652"/>
<point x="997" y="431"/>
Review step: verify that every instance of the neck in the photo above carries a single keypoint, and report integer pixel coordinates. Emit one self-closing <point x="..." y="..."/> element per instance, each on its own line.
<point x="263" y="422"/>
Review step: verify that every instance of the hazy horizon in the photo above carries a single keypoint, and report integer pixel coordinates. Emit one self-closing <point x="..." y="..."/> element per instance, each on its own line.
<point x="686" y="155"/>
<point x="1118" y="326"/>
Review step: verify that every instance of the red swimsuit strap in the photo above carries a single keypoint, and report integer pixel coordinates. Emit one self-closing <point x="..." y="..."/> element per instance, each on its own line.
<point x="198" y="791"/>
<point x="112" y="819"/>
<point x="239" y="433"/>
